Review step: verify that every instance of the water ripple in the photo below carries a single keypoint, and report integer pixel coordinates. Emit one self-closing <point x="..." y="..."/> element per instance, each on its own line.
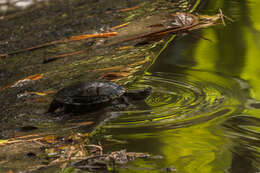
<point x="182" y="99"/>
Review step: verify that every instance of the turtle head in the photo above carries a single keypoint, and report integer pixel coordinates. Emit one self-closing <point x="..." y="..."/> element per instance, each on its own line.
<point x="139" y="94"/>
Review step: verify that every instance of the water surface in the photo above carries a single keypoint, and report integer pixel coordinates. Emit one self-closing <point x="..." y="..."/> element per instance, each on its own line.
<point x="203" y="113"/>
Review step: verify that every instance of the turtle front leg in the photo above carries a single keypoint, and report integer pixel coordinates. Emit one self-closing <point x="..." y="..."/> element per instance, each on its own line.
<point x="125" y="100"/>
<point x="120" y="103"/>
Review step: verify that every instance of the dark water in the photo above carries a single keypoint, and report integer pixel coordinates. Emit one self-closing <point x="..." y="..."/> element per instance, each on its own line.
<point x="204" y="112"/>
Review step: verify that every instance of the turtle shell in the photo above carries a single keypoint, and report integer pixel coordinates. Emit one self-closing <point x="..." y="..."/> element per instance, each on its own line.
<point x="89" y="93"/>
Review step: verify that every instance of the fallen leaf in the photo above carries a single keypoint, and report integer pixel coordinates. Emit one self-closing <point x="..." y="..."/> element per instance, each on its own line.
<point x="50" y="139"/>
<point x="86" y="123"/>
<point x="64" y="147"/>
<point x="2" y="141"/>
<point x="51" y="151"/>
<point x="23" y="81"/>
<point x="120" y="26"/>
<point x="139" y="62"/>
<point x="125" y="47"/>
<point x="113" y="75"/>
<point x="35" y="77"/>
<point x="86" y="36"/>
<point x="129" y="9"/>
<point x="44" y="93"/>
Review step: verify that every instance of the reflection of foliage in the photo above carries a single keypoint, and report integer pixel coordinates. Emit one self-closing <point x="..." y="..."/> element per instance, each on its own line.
<point x="235" y="51"/>
<point x="236" y="48"/>
<point x="196" y="148"/>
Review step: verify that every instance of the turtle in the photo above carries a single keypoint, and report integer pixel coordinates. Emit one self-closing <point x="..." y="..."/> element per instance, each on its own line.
<point x="89" y="96"/>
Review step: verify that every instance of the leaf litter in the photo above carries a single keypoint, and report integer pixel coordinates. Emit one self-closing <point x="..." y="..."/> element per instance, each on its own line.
<point x="74" y="150"/>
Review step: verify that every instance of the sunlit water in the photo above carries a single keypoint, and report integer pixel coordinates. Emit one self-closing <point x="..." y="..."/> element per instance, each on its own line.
<point x="203" y="113"/>
<point x="182" y="120"/>
<point x="183" y="99"/>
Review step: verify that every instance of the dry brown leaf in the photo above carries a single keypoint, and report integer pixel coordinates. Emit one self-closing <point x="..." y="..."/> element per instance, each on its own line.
<point x="86" y="123"/>
<point x="125" y="47"/>
<point x="113" y="75"/>
<point x="35" y="77"/>
<point x="120" y="26"/>
<point x="87" y="36"/>
<point x="44" y="93"/>
<point x="129" y="9"/>
<point x="50" y="139"/>
<point x="139" y="62"/>
<point x="23" y="81"/>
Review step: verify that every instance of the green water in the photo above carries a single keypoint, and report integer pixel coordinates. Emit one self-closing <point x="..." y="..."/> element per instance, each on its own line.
<point x="204" y="112"/>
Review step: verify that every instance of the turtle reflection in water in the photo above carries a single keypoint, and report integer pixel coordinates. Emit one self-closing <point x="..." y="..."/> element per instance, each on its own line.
<point x="90" y="96"/>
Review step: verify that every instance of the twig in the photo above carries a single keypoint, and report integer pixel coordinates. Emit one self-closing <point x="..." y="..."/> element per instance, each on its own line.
<point x="73" y="38"/>
<point x="61" y="56"/>
<point x="198" y="36"/>
<point x="96" y="146"/>
<point x="222" y="17"/>
<point x="21" y="141"/>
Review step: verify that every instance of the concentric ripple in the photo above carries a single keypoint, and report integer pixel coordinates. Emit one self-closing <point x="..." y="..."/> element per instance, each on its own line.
<point x="182" y="99"/>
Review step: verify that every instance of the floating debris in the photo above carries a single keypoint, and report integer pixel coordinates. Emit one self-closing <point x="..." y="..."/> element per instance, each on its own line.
<point x="103" y="161"/>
